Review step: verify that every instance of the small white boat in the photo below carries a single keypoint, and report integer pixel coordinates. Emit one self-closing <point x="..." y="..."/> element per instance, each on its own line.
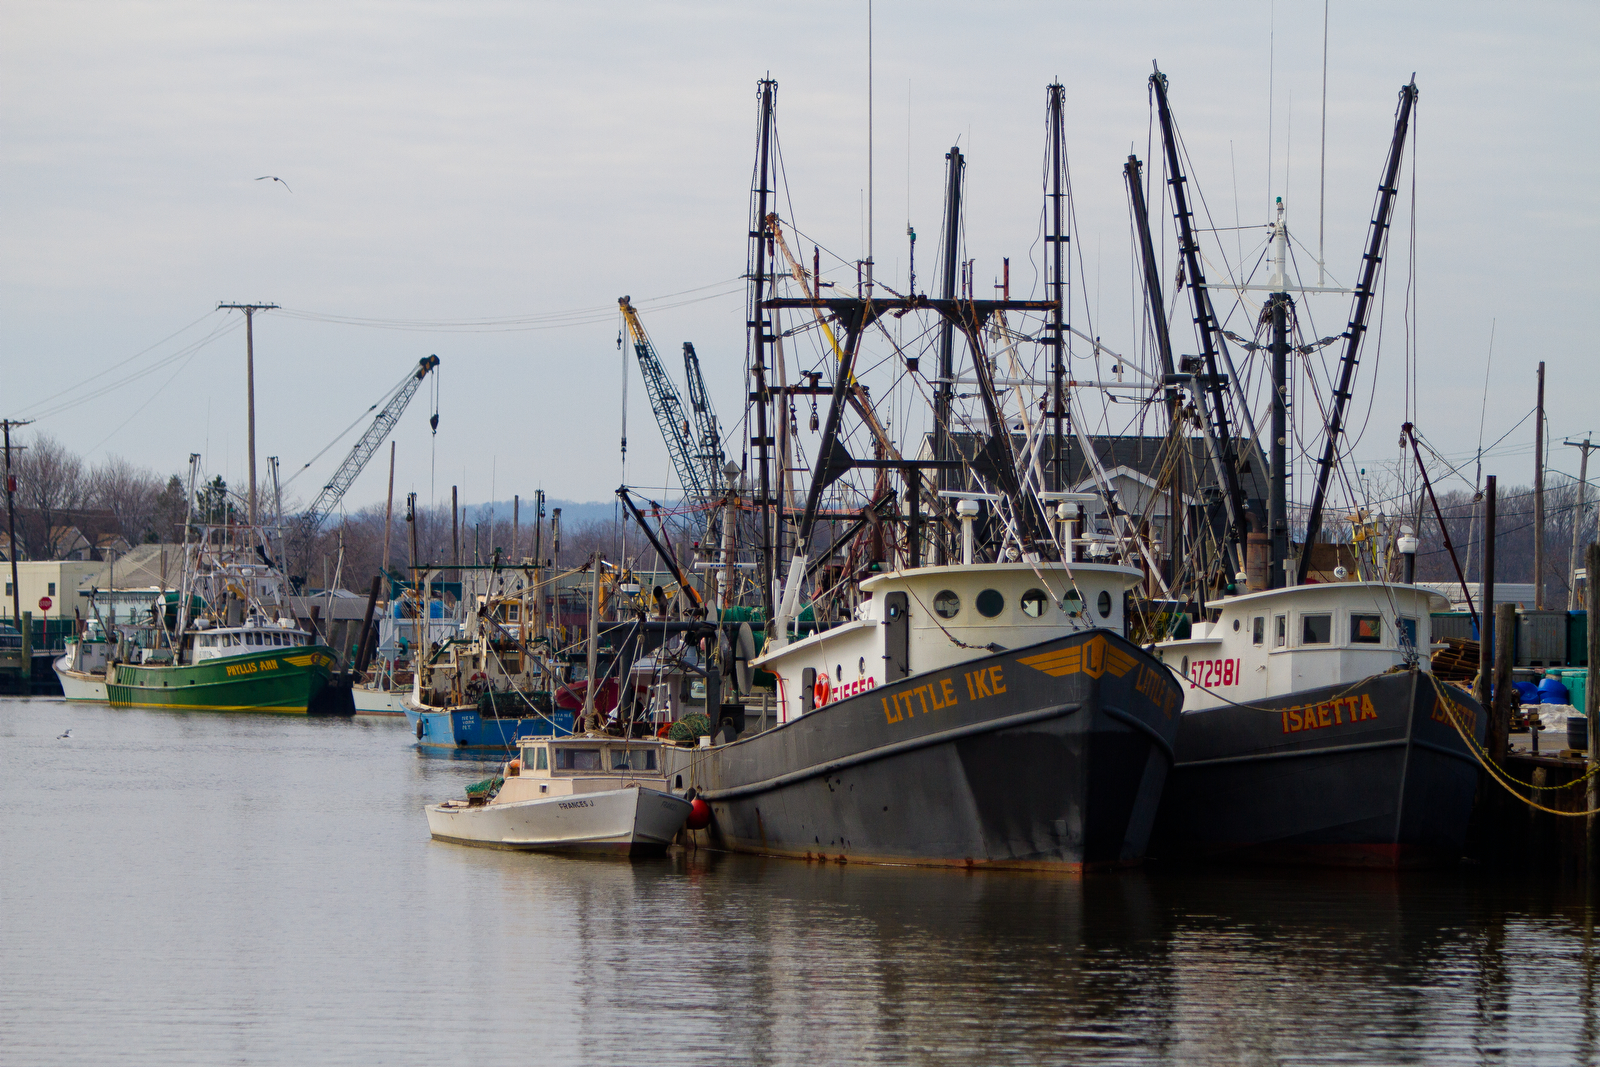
<point x="375" y="700"/>
<point x="571" y="794"/>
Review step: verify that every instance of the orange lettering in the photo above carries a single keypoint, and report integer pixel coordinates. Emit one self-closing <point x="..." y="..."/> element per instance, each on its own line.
<point x="933" y="695"/>
<point x="920" y="691"/>
<point x="1294" y="717"/>
<point x="1286" y="722"/>
<point x="981" y="679"/>
<point x="949" y="687"/>
<point x="971" y="693"/>
<point x="997" y="680"/>
<point x="1322" y="714"/>
<point x="1367" y="710"/>
<point x="888" y="717"/>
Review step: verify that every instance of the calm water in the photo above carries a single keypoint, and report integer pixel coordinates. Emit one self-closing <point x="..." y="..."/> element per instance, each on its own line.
<point x="202" y="888"/>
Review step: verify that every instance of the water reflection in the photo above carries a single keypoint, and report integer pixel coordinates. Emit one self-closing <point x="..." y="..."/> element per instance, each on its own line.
<point x="191" y="888"/>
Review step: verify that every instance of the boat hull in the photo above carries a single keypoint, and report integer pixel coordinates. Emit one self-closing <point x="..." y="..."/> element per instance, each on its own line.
<point x="1047" y="757"/>
<point x="378" y="701"/>
<point x="624" y="822"/>
<point x="79" y="686"/>
<point x="465" y="731"/>
<point x="1368" y="775"/>
<point x="287" y="680"/>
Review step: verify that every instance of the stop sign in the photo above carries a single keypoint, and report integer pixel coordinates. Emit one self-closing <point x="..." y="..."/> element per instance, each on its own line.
<point x="44" y="603"/>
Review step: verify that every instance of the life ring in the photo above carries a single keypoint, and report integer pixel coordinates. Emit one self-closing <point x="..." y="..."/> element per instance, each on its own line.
<point x="822" y="690"/>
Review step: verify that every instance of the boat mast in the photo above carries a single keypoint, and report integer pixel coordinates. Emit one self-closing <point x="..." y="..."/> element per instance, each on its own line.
<point x="761" y="334"/>
<point x="944" y="390"/>
<point x="1057" y="238"/>
<point x="1156" y="304"/>
<point x="1214" y="420"/>
<point x="1279" y="304"/>
<point x="1377" y="240"/>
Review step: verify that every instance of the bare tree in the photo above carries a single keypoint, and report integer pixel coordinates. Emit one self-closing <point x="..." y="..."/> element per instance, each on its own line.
<point x="129" y="493"/>
<point x="50" y="485"/>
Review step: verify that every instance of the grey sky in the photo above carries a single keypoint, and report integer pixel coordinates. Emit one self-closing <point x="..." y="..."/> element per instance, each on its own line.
<point x="485" y="160"/>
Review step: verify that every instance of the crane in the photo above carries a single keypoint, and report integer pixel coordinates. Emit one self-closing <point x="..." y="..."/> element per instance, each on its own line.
<point x="356" y="461"/>
<point x="698" y="487"/>
<point x="709" y="435"/>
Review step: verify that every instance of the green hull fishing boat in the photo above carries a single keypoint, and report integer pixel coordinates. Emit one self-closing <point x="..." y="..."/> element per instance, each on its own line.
<point x="227" y="639"/>
<point x="284" y="680"/>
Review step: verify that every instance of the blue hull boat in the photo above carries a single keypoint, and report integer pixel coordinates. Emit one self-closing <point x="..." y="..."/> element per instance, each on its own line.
<point x="466" y="731"/>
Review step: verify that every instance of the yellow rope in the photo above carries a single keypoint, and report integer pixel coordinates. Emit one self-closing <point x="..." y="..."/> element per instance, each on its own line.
<point x="1488" y="764"/>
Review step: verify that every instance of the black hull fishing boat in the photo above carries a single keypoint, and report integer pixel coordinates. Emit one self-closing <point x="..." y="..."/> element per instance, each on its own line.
<point x="1313" y="732"/>
<point x="1370" y="774"/>
<point x="1049" y="756"/>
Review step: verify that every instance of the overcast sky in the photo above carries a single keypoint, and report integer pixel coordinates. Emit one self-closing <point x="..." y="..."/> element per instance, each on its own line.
<point x="463" y="162"/>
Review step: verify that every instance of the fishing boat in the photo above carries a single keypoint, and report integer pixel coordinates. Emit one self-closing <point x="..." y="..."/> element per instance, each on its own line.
<point x="82" y="664"/>
<point x="1313" y="731"/>
<point x="477" y="692"/>
<point x="226" y="641"/>
<point x="573" y="794"/>
<point x="973" y="715"/>
<point x="975" y="707"/>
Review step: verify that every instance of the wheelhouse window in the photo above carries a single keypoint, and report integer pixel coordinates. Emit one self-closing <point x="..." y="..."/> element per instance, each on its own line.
<point x="1366" y="629"/>
<point x="541" y="758"/>
<point x="1258" y="630"/>
<point x="1281" y="627"/>
<point x="1033" y="603"/>
<point x="1316" y="629"/>
<point x="946" y="604"/>
<point x="635" y="759"/>
<point x="577" y="759"/>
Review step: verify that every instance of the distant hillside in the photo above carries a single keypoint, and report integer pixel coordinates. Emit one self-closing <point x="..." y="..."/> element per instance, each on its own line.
<point x="572" y="511"/>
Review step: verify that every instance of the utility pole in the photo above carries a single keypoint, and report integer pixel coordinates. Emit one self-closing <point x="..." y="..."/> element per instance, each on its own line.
<point x="1538" y="495"/>
<point x="11" y="527"/>
<point x="250" y="383"/>
<point x="388" y="511"/>
<point x="1577" y="519"/>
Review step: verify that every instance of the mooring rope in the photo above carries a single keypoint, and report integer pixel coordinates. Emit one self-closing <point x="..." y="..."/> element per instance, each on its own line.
<point x="1497" y="773"/>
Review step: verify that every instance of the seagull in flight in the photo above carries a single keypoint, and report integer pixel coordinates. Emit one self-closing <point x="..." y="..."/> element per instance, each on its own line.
<point x="63" y="737"/>
<point x="275" y="178"/>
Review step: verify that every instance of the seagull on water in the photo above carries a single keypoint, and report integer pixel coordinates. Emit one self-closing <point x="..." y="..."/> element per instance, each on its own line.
<point x="63" y="737"/>
<point x="275" y="178"/>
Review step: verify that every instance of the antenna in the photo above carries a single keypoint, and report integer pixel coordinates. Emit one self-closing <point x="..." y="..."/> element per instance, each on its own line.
<point x="1322" y="180"/>
<point x="869" y="149"/>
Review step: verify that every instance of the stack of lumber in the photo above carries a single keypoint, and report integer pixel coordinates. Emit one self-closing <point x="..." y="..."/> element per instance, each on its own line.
<point x="1457" y="661"/>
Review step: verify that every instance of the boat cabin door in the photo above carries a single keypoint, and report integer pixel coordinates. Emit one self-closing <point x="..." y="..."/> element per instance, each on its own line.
<point x="896" y="637"/>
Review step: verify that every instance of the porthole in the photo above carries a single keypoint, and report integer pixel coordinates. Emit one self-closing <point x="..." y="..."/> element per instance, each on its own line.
<point x="1072" y="603"/>
<point x="838" y="672"/>
<point x="1033" y="603"/>
<point x="1235" y="625"/>
<point x="862" y="666"/>
<point x="946" y="605"/>
<point x="1185" y="668"/>
<point x="990" y="603"/>
<point x="1104" y="604"/>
